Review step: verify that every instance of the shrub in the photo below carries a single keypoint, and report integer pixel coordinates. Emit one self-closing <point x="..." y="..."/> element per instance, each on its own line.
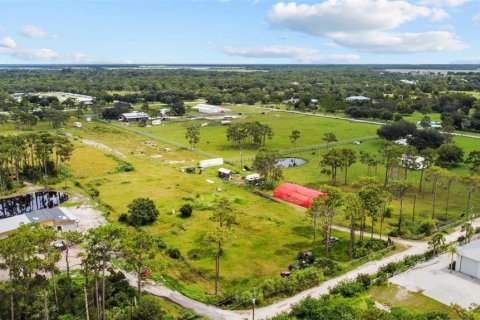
<point x="123" y="218"/>
<point x="160" y="243"/>
<point x="186" y="210"/>
<point x="330" y="267"/>
<point x="364" y="279"/>
<point x="348" y="289"/>
<point x="174" y="253"/>
<point x="142" y="211"/>
<point x="148" y="309"/>
<point x="427" y="227"/>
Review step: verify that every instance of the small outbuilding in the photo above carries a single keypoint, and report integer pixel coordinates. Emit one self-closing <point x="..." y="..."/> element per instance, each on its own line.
<point x="134" y="117"/>
<point x="224" y="173"/>
<point x="297" y="194"/>
<point x="469" y="259"/>
<point x="357" y="99"/>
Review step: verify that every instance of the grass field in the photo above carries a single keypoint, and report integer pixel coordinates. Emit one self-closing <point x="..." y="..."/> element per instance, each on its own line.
<point x="268" y="235"/>
<point x="415" y="302"/>
<point x="213" y="137"/>
<point x="278" y="229"/>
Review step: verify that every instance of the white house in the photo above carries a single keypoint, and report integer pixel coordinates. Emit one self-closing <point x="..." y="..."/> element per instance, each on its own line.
<point x="207" y="108"/>
<point x="468" y="261"/>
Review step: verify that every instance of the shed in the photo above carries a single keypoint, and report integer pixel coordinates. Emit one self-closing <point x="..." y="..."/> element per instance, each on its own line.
<point x="252" y="178"/>
<point x="297" y="194"/>
<point x="134" y="117"/>
<point x="224" y="173"/>
<point x="469" y="259"/>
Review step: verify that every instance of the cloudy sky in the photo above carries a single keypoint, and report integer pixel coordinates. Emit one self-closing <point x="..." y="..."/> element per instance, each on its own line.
<point x="240" y="31"/>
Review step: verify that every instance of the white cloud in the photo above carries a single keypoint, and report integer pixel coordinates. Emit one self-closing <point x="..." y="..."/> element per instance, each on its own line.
<point x="35" y="54"/>
<point x="348" y="15"/>
<point x="476" y="18"/>
<point x="444" y="3"/>
<point x="300" y="54"/>
<point x="367" y="25"/>
<point x="30" y="31"/>
<point x="390" y="42"/>
<point x="48" y="55"/>
<point x="8" y="42"/>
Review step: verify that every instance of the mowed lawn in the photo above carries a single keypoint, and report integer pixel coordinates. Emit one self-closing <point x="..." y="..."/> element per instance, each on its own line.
<point x="265" y="241"/>
<point x="213" y="137"/>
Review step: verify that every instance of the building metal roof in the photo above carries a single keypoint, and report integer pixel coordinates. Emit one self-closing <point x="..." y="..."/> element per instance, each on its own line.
<point x="134" y="115"/>
<point x="357" y="98"/>
<point x="12" y="223"/>
<point x="56" y="214"/>
<point x="471" y="250"/>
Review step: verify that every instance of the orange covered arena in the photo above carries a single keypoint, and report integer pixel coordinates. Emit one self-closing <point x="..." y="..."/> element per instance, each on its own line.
<point x="297" y="194"/>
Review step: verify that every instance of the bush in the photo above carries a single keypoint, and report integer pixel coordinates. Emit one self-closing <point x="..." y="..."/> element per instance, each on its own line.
<point x="123" y="218"/>
<point x="160" y="243"/>
<point x="427" y="227"/>
<point x="186" y="210"/>
<point x="125" y="167"/>
<point x="364" y="279"/>
<point x="142" y="211"/>
<point x="330" y="267"/>
<point x="148" y="309"/>
<point x="348" y="289"/>
<point x="174" y="253"/>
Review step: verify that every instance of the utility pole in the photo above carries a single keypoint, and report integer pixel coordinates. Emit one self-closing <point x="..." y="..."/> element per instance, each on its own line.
<point x="253" y="303"/>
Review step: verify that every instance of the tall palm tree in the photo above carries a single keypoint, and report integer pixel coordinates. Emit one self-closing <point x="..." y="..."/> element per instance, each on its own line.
<point x="452" y="252"/>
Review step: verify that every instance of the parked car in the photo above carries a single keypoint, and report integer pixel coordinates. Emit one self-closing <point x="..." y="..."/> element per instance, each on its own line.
<point x="285" y="274"/>
<point x="294" y="266"/>
<point x="331" y="240"/>
<point x="60" y="246"/>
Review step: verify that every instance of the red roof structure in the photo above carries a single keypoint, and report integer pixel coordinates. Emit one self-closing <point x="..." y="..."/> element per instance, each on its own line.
<point x="297" y="194"/>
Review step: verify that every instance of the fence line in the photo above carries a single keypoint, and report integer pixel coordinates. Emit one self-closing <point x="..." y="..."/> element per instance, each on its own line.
<point x="234" y="161"/>
<point x="306" y="148"/>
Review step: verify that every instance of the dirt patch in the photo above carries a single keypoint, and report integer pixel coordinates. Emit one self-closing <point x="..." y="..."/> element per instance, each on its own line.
<point x="88" y="217"/>
<point x="97" y="145"/>
<point x="174" y="161"/>
<point x="156" y="156"/>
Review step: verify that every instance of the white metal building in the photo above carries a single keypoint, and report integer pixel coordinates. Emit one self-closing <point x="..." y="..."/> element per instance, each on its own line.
<point x="207" y="108"/>
<point x="469" y="259"/>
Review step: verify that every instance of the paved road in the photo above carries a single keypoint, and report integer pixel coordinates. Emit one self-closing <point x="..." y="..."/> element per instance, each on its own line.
<point x="415" y="247"/>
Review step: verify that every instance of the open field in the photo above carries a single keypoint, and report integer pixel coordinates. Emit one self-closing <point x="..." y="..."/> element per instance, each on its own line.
<point x="280" y="230"/>
<point x="268" y="235"/>
<point x="213" y="137"/>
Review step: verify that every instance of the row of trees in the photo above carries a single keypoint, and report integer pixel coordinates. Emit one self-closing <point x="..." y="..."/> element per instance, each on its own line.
<point x="32" y="156"/>
<point x="37" y="289"/>
<point x="254" y="133"/>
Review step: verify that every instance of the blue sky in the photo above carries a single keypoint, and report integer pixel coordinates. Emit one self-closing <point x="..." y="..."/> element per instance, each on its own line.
<point x="240" y="31"/>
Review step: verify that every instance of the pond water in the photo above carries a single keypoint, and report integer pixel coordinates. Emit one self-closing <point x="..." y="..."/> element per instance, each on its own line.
<point x="291" y="162"/>
<point x="17" y="205"/>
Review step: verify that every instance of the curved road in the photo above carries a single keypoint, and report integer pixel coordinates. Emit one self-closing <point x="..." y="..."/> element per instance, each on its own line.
<point x="211" y="312"/>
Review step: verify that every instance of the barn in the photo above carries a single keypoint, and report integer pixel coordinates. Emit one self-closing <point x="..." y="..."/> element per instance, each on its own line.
<point x="297" y="194"/>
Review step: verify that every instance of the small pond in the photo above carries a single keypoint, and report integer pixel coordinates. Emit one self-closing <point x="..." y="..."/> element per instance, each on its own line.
<point x="17" y="205"/>
<point x="291" y="162"/>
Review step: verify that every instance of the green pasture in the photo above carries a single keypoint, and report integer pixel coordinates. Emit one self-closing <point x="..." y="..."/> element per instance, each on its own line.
<point x="266" y="240"/>
<point x="213" y="135"/>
